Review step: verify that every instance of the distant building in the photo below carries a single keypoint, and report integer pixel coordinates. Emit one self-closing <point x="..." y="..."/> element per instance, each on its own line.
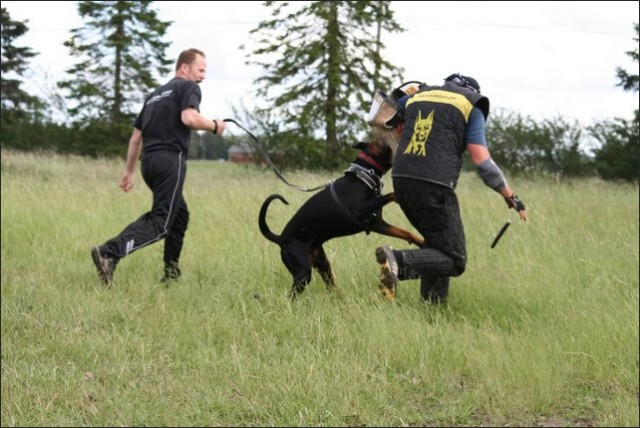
<point x="241" y="154"/>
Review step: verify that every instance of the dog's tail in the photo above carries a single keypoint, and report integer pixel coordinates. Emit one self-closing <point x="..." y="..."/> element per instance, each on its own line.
<point x="262" y="218"/>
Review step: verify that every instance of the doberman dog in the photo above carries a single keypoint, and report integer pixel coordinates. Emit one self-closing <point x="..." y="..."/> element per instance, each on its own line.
<point x="351" y="204"/>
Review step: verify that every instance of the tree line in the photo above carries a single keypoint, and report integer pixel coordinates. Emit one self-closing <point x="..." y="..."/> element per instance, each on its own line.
<point x="320" y="61"/>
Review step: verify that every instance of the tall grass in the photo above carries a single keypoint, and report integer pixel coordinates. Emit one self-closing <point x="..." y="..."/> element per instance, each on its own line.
<point x="542" y="330"/>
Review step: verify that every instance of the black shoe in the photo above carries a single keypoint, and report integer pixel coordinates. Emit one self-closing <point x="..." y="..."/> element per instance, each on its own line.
<point x="171" y="272"/>
<point x="104" y="265"/>
<point x="388" y="271"/>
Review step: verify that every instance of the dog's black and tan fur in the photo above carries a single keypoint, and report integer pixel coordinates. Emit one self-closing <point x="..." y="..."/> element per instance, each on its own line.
<point x="349" y="205"/>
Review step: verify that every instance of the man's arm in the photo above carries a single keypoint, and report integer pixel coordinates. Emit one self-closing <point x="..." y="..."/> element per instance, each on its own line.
<point x="194" y="120"/>
<point x="133" y="153"/>
<point x="490" y="173"/>
<point x="494" y="178"/>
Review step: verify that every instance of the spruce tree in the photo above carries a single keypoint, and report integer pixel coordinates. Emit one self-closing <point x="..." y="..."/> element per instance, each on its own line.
<point x="322" y="63"/>
<point x="120" y="52"/>
<point x="16" y="103"/>
<point x="619" y="156"/>
<point x="630" y="82"/>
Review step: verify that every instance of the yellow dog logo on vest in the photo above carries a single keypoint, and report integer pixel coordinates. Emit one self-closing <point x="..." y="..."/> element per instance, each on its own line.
<point x="421" y="131"/>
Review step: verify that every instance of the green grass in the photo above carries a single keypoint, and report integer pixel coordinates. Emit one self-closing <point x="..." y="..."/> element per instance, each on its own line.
<point x="542" y="330"/>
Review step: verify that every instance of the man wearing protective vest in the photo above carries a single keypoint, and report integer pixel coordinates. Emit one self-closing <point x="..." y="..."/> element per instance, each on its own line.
<point x="440" y="123"/>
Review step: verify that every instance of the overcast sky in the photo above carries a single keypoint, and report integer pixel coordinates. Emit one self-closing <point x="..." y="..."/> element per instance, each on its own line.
<point x="540" y="59"/>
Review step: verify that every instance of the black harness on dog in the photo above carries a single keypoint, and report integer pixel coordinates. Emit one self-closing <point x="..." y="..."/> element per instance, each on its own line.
<point x="369" y="177"/>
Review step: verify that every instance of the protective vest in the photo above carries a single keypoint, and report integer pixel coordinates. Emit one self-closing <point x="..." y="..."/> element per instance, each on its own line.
<point x="433" y="138"/>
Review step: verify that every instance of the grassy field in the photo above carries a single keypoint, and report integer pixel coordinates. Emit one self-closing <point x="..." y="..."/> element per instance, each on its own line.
<point x="540" y="331"/>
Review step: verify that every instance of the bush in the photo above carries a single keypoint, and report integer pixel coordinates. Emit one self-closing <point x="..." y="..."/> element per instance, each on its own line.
<point x="619" y="156"/>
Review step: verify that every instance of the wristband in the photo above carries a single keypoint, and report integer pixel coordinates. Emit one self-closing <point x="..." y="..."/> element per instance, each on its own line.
<point x="215" y="127"/>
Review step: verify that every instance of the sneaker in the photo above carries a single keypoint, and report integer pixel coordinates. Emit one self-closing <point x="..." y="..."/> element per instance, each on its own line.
<point x="388" y="271"/>
<point x="171" y="272"/>
<point x="104" y="265"/>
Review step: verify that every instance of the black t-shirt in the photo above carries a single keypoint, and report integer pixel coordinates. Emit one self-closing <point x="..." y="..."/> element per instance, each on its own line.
<point x="160" y="118"/>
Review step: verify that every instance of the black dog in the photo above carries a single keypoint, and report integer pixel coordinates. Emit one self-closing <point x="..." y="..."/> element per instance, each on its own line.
<point x="349" y="205"/>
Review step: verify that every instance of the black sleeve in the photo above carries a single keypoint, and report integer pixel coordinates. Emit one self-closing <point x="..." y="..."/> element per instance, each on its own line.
<point x="191" y="97"/>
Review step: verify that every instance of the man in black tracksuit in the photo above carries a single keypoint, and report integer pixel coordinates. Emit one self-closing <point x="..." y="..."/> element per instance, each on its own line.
<point x="162" y="132"/>
<point x="440" y="123"/>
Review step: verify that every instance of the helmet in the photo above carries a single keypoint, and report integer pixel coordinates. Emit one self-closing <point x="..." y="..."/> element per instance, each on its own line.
<point x="384" y="109"/>
<point x="384" y="116"/>
<point x="464" y="81"/>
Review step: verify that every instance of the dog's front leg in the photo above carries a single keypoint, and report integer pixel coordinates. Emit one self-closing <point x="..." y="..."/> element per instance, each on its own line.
<point x="375" y="204"/>
<point x="389" y="197"/>
<point x="387" y="229"/>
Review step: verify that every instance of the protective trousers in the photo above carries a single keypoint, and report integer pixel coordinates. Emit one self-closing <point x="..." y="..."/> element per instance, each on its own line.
<point x="164" y="173"/>
<point x="434" y="211"/>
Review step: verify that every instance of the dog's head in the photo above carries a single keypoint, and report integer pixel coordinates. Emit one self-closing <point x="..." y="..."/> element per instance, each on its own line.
<point x="389" y="137"/>
<point x="375" y="155"/>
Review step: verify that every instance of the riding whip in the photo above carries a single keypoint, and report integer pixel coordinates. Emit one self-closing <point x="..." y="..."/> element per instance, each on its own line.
<point x="500" y="233"/>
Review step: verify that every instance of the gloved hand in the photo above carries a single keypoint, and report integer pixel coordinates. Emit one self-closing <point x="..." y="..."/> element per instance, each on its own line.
<point x="515" y="203"/>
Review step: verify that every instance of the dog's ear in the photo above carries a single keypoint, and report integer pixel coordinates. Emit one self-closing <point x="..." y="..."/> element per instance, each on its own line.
<point x="360" y="145"/>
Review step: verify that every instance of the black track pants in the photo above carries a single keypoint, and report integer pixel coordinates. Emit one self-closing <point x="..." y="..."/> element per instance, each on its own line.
<point x="164" y="172"/>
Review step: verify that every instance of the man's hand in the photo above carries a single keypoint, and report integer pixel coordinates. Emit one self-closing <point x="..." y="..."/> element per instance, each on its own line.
<point x="126" y="182"/>
<point x="515" y="203"/>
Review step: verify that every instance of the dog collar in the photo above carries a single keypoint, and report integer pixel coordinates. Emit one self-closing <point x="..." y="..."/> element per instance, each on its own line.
<point x="371" y="161"/>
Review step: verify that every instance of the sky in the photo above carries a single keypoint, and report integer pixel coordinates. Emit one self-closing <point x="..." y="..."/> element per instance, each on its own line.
<point x="539" y="59"/>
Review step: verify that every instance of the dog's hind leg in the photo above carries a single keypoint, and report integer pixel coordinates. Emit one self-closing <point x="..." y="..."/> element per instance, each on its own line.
<point x="297" y="288"/>
<point x="296" y="258"/>
<point x="320" y="261"/>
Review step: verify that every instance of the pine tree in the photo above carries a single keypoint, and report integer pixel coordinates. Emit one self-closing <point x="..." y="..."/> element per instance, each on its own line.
<point x="120" y="51"/>
<point x="323" y="61"/>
